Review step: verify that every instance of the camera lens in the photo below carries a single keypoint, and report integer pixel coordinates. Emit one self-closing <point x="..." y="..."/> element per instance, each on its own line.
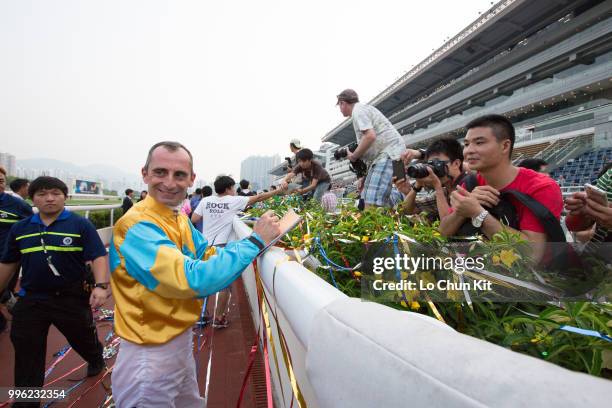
<point x="418" y="170"/>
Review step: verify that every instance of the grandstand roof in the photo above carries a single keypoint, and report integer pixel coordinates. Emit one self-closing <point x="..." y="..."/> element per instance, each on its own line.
<point x="501" y="27"/>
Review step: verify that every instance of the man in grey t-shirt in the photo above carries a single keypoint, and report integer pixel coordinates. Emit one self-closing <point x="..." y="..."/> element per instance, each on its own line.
<point x="379" y="144"/>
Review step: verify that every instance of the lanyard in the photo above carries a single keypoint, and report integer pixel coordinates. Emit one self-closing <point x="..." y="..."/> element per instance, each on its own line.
<point x="48" y="257"/>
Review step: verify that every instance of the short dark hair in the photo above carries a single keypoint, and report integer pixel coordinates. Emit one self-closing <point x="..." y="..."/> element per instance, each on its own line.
<point x="304" y="155"/>
<point x="198" y="191"/>
<point x="222" y="183"/>
<point x="532" y="163"/>
<point x="17" y="184"/>
<point x="46" y="183"/>
<point x="500" y="125"/>
<point x="448" y="146"/>
<point x="171" y="146"/>
<point x="207" y="191"/>
<point x="128" y="191"/>
<point x="244" y="184"/>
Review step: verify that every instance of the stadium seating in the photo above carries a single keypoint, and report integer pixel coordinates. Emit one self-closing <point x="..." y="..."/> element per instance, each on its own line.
<point x="584" y="168"/>
<point x="520" y="153"/>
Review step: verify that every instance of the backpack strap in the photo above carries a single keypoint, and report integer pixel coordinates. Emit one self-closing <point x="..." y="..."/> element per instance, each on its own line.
<point x="469" y="181"/>
<point x="549" y="221"/>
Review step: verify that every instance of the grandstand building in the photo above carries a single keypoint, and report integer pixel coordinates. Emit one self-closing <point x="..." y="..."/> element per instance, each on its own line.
<point x="546" y="65"/>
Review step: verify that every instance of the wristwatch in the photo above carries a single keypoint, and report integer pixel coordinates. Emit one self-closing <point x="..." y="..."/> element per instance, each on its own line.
<point x="103" y="285"/>
<point x="479" y="219"/>
<point x="423" y="153"/>
<point x="414" y="186"/>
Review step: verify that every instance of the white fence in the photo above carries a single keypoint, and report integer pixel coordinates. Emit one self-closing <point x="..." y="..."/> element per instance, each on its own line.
<point x="349" y="353"/>
<point x="89" y="208"/>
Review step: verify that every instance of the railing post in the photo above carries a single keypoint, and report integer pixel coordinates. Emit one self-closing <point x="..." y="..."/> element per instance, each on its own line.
<point x="112" y="216"/>
<point x="87" y="214"/>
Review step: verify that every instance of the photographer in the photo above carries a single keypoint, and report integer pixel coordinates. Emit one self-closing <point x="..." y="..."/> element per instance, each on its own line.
<point x="531" y="201"/>
<point x="313" y="171"/>
<point x="440" y="175"/>
<point x="379" y="145"/>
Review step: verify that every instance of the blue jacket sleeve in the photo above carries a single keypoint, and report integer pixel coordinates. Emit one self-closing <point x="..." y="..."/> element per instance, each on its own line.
<point x="157" y="263"/>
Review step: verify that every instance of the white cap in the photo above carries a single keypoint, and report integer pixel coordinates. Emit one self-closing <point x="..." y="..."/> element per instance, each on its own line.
<point x="296" y="143"/>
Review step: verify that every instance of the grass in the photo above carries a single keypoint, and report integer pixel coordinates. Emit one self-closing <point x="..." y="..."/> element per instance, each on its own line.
<point x="93" y="202"/>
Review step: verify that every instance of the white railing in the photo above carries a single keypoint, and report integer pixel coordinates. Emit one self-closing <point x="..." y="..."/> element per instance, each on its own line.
<point x="82" y="196"/>
<point x="350" y="353"/>
<point x="89" y="208"/>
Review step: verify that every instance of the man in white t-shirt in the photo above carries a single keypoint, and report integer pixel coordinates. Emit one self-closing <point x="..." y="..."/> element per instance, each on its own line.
<point x="379" y="144"/>
<point x="217" y="213"/>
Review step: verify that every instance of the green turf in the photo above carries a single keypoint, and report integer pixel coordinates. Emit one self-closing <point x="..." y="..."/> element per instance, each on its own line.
<point x="93" y="202"/>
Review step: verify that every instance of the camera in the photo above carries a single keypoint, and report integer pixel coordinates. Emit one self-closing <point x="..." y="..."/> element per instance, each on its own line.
<point x="358" y="167"/>
<point x="343" y="152"/>
<point x="288" y="160"/>
<point x="419" y="170"/>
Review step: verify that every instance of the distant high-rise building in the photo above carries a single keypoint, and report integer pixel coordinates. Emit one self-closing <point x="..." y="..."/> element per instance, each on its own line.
<point x="256" y="169"/>
<point x="8" y="161"/>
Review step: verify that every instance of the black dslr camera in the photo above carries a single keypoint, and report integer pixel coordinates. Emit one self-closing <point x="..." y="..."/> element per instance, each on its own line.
<point x="419" y="170"/>
<point x="358" y="167"/>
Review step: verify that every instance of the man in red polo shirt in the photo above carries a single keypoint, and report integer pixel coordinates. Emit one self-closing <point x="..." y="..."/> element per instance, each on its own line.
<point x="488" y="150"/>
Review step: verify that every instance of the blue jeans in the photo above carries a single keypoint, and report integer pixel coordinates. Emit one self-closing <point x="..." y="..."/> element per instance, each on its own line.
<point x="320" y="190"/>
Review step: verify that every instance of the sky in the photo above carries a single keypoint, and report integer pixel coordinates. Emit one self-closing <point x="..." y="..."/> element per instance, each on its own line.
<point x="99" y="82"/>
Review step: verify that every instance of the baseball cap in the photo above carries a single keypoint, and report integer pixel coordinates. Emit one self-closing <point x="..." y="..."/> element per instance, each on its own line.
<point x="296" y="143"/>
<point x="348" y="95"/>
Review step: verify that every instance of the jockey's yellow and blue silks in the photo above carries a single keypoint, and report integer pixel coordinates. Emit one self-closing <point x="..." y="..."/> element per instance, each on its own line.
<point x="159" y="275"/>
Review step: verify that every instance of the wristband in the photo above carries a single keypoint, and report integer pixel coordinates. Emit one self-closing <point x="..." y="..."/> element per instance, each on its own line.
<point x="257" y="242"/>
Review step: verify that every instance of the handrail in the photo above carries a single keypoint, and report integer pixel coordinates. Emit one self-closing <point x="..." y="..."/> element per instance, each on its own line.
<point x="92" y="207"/>
<point x="339" y="344"/>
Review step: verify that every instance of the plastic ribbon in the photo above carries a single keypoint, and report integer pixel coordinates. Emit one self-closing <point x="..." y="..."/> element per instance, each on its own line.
<point x="60" y="356"/>
<point x="585" y="332"/>
<point x="267" y="338"/>
<point x="283" y="342"/>
<point x="108" y="371"/>
<point x="68" y="392"/>
<point x="398" y="275"/>
<point x="108" y="402"/>
<point x="326" y="258"/>
<point x="65" y="375"/>
<point x="297" y="392"/>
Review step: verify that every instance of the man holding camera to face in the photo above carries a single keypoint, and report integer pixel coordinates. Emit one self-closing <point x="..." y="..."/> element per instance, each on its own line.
<point x="440" y="172"/>
<point x="379" y="145"/>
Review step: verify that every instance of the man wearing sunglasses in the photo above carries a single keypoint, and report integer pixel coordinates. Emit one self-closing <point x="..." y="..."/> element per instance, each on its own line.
<point x="53" y="248"/>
